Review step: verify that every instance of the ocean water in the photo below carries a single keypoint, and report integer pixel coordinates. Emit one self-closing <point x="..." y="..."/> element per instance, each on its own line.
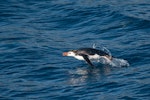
<point x="35" y="33"/>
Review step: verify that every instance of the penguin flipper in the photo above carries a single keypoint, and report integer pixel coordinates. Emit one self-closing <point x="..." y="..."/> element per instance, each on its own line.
<point x="87" y="60"/>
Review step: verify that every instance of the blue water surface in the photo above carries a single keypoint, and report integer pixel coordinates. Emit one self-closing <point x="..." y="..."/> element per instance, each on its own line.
<point x="35" y="33"/>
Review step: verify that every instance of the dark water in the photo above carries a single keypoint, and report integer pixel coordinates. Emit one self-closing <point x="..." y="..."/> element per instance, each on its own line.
<point x="34" y="33"/>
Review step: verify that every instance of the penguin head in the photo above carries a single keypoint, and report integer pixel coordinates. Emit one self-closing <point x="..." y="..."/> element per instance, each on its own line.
<point x="70" y="53"/>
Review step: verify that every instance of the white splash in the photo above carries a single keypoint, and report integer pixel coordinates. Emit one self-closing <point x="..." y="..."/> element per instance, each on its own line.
<point x="115" y="62"/>
<point x="101" y="48"/>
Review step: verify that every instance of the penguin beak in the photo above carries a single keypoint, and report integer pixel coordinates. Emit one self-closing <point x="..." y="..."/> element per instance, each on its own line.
<point x="65" y="53"/>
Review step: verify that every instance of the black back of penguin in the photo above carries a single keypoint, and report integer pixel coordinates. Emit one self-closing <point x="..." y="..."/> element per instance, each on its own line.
<point x="91" y="51"/>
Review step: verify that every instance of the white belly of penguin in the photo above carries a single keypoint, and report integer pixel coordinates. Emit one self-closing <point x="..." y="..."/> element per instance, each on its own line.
<point x="91" y="57"/>
<point x="79" y="57"/>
